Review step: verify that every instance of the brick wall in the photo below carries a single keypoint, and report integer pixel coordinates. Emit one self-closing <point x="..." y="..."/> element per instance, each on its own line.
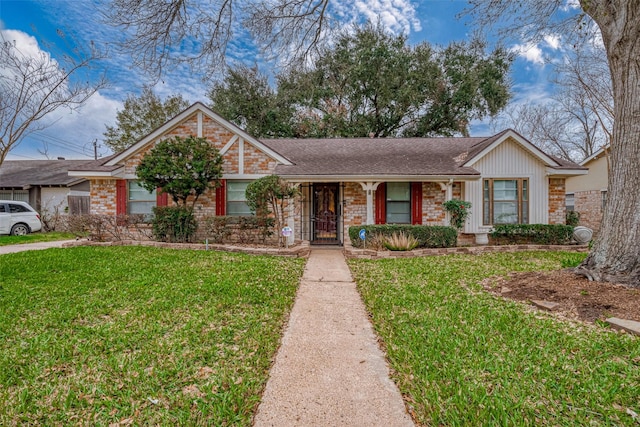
<point x="557" y="201"/>
<point x="231" y="160"/>
<point x="355" y="209"/>
<point x="589" y="205"/>
<point x="103" y="196"/>
<point x="215" y="133"/>
<point x="257" y="162"/>
<point x="433" y="196"/>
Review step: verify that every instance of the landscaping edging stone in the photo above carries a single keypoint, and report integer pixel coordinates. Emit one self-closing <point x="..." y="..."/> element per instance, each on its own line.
<point x="301" y="250"/>
<point x="351" y="252"/>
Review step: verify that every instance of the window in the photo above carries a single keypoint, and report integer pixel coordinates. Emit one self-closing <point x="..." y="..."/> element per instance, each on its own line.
<point x="506" y="201"/>
<point x="140" y="201"/>
<point x="398" y="203"/>
<point x="18" y="208"/>
<point x="570" y="202"/>
<point x="17" y="195"/>
<point x="604" y="199"/>
<point x="236" y="198"/>
<point x="2" y="209"/>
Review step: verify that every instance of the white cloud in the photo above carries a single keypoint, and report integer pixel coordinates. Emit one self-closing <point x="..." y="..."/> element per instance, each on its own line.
<point x="399" y="16"/>
<point x="531" y="52"/>
<point x="570" y="5"/>
<point x="553" y="41"/>
<point x="24" y="43"/>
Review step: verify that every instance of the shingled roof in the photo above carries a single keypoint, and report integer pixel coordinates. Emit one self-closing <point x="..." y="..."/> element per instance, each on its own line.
<point x="375" y="156"/>
<point x="23" y="174"/>
<point x="437" y="157"/>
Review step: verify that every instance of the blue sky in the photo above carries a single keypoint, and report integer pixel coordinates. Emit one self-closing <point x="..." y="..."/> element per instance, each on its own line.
<point x="71" y="135"/>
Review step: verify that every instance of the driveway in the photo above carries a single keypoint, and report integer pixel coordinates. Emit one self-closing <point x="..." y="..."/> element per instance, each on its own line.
<point x="32" y="246"/>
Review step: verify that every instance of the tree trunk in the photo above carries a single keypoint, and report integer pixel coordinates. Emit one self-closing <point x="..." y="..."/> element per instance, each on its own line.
<point x="615" y="256"/>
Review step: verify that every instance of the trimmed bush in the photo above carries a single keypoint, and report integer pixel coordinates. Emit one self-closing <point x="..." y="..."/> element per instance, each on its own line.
<point x="239" y="229"/>
<point x="572" y="218"/>
<point x="174" y="224"/>
<point x="428" y="236"/>
<point x="538" y="234"/>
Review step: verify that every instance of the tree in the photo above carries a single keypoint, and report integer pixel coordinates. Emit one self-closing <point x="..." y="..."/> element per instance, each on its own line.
<point x="578" y="118"/>
<point x="245" y="97"/>
<point x="182" y="168"/>
<point x="615" y="255"/>
<point x="269" y="195"/>
<point x="141" y="115"/>
<point x="154" y="29"/>
<point x="371" y="83"/>
<point x="33" y="87"/>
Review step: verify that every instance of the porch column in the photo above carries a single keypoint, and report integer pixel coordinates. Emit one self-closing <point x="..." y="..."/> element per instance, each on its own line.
<point x="291" y="220"/>
<point x="448" y="187"/>
<point x="369" y="188"/>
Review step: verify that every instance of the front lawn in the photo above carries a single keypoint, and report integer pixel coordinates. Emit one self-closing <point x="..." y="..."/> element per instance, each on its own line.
<point x="464" y="357"/>
<point x="146" y="336"/>
<point x="36" y="237"/>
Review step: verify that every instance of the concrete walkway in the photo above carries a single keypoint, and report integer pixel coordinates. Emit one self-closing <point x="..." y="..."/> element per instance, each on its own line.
<point x="32" y="246"/>
<point x="329" y="370"/>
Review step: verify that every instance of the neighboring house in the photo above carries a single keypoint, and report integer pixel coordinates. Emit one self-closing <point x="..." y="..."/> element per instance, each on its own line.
<point x="347" y="182"/>
<point x="45" y="185"/>
<point x="587" y="194"/>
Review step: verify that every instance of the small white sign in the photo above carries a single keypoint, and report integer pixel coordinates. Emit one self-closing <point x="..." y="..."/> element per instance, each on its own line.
<point x="286" y="231"/>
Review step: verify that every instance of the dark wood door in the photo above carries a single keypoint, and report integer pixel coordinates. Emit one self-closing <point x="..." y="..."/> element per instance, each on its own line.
<point x="326" y="217"/>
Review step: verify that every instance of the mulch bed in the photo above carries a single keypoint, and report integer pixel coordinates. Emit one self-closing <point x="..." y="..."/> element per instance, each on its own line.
<point x="578" y="297"/>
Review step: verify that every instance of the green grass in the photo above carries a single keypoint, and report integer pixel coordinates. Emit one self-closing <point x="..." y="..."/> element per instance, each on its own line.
<point x="461" y="356"/>
<point x="94" y="336"/>
<point x="35" y="237"/>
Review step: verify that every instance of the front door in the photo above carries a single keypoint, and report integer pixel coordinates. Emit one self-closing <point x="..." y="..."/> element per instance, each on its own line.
<point x="326" y="215"/>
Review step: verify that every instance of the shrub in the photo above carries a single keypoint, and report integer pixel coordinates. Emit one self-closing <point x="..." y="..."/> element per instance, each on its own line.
<point x="572" y="218"/>
<point x="107" y="227"/>
<point x="242" y="229"/>
<point x="428" y="236"/>
<point x="249" y="224"/>
<point x="400" y="242"/>
<point x="174" y="223"/>
<point x="458" y="211"/>
<point x="267" y="197"/>
<point x="217" y="228"/>
<point x="540" y="234"/>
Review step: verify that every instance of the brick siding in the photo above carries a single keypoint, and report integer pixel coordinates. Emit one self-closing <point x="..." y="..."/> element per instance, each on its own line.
<point x="557" y="200"/>
<point x="589" y="205"/>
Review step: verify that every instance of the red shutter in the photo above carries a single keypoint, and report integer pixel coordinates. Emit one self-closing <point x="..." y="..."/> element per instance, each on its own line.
<point x="162" y="198"/>
<point x="121" y="197"/>
<point x="381" y="204"/>
<point x="221" y="198"/>
<point x="416" y="203"/>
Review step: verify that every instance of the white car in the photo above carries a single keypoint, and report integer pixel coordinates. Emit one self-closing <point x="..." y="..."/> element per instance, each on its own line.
<point x="18" y="218"/>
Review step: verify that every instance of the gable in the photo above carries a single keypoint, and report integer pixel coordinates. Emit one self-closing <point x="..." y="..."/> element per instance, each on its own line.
<point x="514" y="138"/>
<point x="509" y="159"/>
<point x="200" y="121"/>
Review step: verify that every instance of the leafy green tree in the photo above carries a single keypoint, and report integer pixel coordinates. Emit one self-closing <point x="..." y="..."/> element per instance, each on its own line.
<point x="181" y="167"/>
<point x="269" y="196"/>
<point x="245" y="97"/>
<point x="141" y="115"/>
<point x="371" y="83"/>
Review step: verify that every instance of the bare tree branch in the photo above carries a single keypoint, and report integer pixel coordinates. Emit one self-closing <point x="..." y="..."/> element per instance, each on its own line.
<point x="33" y="87"/>
<point x="161" y="35"/>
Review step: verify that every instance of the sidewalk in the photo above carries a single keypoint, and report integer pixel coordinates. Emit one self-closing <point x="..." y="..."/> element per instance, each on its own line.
<point x="329" y="370"/>
<point x="32" y="246"/>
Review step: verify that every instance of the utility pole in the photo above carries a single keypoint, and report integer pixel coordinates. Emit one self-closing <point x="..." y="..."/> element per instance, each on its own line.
<point x="95" y="149"/>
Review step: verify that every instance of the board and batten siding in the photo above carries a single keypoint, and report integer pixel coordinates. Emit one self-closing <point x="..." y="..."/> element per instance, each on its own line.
<point x="509" y="160"/>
